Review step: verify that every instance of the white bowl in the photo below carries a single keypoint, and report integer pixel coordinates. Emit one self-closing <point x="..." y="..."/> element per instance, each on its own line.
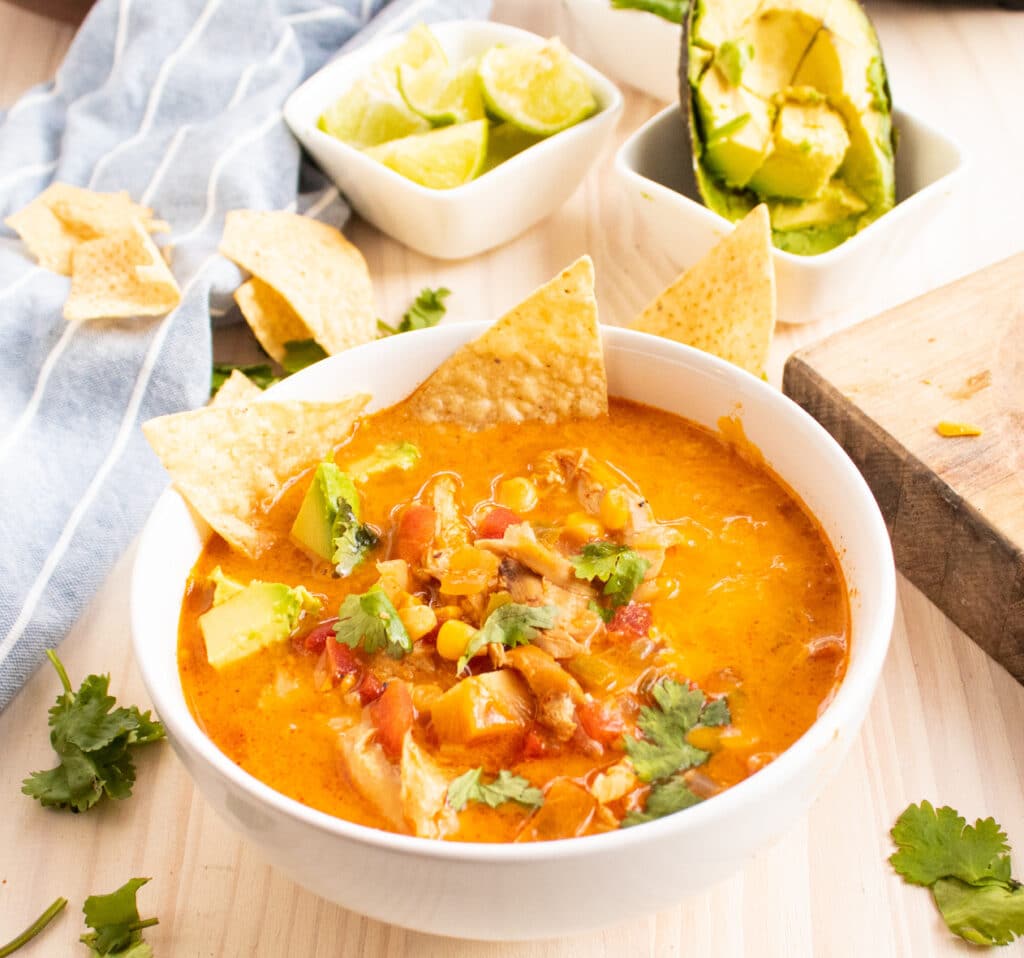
<point x="572" y="885"/>
<point x="656" y="168"/>
<point x="488" y="211"/>
<point x="631" y="46"/>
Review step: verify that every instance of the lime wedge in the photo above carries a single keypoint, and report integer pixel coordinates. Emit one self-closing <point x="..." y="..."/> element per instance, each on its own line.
<point x="442" y="95"/>
<point x="539" y="89"/>
<point x="419" y="47"/>
<point x="504" y="142"/>
<point x="371" y="111"/>
<point x="441" y="159"/>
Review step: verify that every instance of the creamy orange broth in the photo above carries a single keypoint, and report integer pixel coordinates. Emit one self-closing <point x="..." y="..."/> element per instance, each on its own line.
<point x="753" y="606"/>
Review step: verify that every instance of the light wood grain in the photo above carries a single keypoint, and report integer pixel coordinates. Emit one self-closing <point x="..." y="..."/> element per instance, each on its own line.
<point x="945" y="724"/>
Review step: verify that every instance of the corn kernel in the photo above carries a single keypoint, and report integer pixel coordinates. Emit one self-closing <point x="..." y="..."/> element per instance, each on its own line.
<point x="614" y="510"/>
<point x="703" y="737"/>
<point x="452" y="639"/>
<point x="418" y="620"/>
<point x="579" y="527"/>
<point x="519" y="494"/>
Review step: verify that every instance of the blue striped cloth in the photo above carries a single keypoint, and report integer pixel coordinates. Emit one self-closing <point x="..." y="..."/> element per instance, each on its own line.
<point x="180" y="104"/>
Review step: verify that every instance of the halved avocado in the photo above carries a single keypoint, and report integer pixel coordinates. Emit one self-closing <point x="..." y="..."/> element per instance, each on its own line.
<point x="789" y="104"/>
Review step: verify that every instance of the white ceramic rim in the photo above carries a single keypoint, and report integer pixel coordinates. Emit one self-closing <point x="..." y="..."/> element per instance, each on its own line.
<point x="303" y="123"/>
<point x="851" y="698"/>
<point x="818" y="261"/>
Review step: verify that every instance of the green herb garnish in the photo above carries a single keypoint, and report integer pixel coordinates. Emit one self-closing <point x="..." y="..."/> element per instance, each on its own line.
<point x="93" y="741"/>
<point x="371" y="621"/>
<point x="505" y="788"/>
<point x="261" y="374"/>
<point x="34" y="929"/>
<point x="618" y="567"/>
<point x="427" y="310"/>
<point x="352" y="539"/>
<point x="967" y="868"/>
<point x="671" y="10"/>
<point x="300" y="353"/>
<point x="509" y="625"/>
<point x="117" y="927"/>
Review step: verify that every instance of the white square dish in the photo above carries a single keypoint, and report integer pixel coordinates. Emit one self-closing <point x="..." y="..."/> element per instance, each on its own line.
<point x="488" y="211"/>
<point x="656" y="169"/>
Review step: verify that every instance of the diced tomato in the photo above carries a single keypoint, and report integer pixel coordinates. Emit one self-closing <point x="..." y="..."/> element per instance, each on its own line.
<point x="634" y="617"/>
<point x="415" y="530"/>
<point x="602" y="721"/>
<point x="534" y="744"/>
<point x="370" y="688"/>
<point x="494" y="524"/>
<point x="393" y="714"/>
<point x="313" y="642"/>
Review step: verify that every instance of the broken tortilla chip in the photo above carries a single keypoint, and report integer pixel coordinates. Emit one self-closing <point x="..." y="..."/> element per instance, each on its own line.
<point x="232" y="462"/>
<point x="47" y="237"/>
<point x="319" y="273"/>
<point x="269" y="316"/>
<point x="541" y="361"/>
<point x="237" y="389"/>
<point x="725" y="303"/>
<point x="120" y="276"/>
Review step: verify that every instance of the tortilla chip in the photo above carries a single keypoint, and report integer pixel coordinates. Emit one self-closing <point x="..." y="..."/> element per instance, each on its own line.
<point x="90" y="215"/>
<point x="232" y="462"/>
<point x="271" y="319"/>
<point x="318" y="272"/>
<point x="48" y="239"/>
<point x="120" y="276"/>
<point x="541" y="361"/>
<point x="238" y="389"/>
<point x="725" y="303"/>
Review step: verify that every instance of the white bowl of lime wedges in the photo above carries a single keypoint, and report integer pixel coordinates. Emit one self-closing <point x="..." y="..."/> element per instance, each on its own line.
<point x="389" y="106"/>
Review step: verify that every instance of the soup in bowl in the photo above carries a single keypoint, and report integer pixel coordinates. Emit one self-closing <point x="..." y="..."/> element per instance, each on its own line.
<point x="697" y="590"/>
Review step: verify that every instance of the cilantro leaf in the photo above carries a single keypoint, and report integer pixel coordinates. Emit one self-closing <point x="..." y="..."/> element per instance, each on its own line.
<point x="372" y="621"/>
<point x="34" y="929"/>
<point x="261" y="374"/>
<point x="114" y="918"/>
<point x="300" y="353"/>
<point x="505" y="788"/>
<point x="936" y="844"/>
<point x="510" y="625"/>
<point x="618" y="567"/>
<point x="671" y="10"/>
<point x="992" y="914"/>
<point x="427" y="310"/>
<point x="606" y="614"/>
<point x="352" y="539"/>
<point x="93" y="741"/>
<point x="664" y="798"/>
<point x="663" y="750"/>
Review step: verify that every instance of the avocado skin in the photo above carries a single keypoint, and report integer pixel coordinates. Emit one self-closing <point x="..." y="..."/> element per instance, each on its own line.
<point x="872" y="167"/>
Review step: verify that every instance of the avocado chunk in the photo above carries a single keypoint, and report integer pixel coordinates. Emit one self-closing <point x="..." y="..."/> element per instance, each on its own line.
<point x="328" y="521"/>
<point x="789" y="103"/>
<point x="261" y="614"/>
<point x="384" y="458"/>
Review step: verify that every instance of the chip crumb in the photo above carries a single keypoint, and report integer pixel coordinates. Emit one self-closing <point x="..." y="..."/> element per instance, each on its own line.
<point x="951" y="430"/>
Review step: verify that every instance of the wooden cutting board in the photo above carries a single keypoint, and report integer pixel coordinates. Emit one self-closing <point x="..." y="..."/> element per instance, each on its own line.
<point x="954" y="507"/>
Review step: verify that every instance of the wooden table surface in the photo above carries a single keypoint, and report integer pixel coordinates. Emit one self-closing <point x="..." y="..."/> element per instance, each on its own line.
<point x="947" y="724"/>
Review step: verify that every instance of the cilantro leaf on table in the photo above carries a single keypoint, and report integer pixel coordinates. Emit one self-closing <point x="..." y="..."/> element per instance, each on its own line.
<point x="936" y="844"/>
<point x="93" y="741"/>
<point x="509" y="625"/>
<point x="300" y="353"/>
<point x="427" y="310"/>
<point x="991" y="914"/>
<point x="663" y="750"/>
<point x="261" y="374"/>
<point x="664" y="798"/>
<point x="505" y="788"/>
<point x="618" y="567"/>
<point x="671" y="10"/>
<point x="115" y="922"/>
<point x="34" y="929"/>
<point x="371" y="621"/>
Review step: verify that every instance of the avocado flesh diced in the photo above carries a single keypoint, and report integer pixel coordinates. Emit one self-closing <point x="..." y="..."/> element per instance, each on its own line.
<point x="829" y="47"/>
<point x="807" y="148"/>
<point x="314" y="526"/>
<point x="733" y="148"/>
<point x="262" y="614"/>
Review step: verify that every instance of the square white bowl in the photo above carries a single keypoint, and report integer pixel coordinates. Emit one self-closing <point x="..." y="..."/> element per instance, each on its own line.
<point x="486" y="212"/>
<point x="656" y="168"/>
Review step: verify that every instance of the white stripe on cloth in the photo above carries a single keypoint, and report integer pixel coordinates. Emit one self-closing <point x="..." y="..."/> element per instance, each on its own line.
<point x="35" y="169"/>
<point x="124" y="433"/>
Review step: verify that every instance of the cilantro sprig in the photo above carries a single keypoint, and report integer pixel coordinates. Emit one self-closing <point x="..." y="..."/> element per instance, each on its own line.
<point x="618" y="567"/>
<point x="115" y="923"/>
<point x="34" y="929"/>
<point x="352" y="539"/>
<point x="506" y="787"/>
<point x="300" y="353"/>
<point x="371" y="621"/>
<point x="94" y="742"/>
<point x="427" y="310"/>
<point x="509" y="625"/>
<point x="261" y="374"/>
<point x="664" y="753"/>
<point x="967" y="868"/>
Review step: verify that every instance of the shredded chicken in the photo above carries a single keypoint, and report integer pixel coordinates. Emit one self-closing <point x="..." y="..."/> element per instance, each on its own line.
<point x="614" y="782"/>
<point x="521" y="543"/>
<point x="556" y="712"/>
<point x="451" y="531"/>
<point x="543" y="674"/>
<point x="370" y="772"/>
<point x="424" y="791"/>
